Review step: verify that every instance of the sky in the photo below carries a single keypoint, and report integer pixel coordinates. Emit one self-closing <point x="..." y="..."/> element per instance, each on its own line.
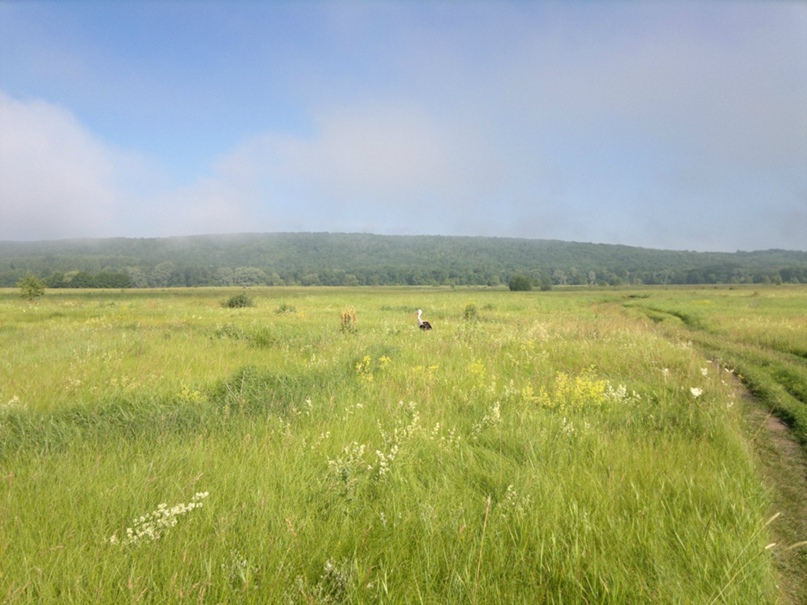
<point x="670" y="125"/>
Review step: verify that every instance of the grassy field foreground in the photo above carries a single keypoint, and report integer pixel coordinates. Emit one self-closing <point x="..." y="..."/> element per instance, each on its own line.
<point x="157" y="447"/>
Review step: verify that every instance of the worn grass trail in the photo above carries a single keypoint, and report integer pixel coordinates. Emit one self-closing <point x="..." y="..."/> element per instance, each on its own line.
<point x="762" y="334"/>
<point x="538" y="448"/>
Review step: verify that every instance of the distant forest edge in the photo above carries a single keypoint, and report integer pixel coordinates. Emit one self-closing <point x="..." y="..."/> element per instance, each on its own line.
<point x="342" y="259"/>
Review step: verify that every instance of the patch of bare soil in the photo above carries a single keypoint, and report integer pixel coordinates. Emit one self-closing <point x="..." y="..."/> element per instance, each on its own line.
<point x="783" y="466"/>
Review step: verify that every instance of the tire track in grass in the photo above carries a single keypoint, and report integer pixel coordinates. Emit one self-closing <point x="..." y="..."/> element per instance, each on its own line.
<point x="773" y="386"/>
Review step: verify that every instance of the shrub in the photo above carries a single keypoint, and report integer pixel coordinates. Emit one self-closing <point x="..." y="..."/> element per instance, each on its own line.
<point x="520" y="283"/>
<point x="238" y="301"/>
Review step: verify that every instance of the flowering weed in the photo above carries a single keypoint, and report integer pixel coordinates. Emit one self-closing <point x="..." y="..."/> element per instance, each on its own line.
<point x="574" y="393"/>
<point x="332" y="586"/>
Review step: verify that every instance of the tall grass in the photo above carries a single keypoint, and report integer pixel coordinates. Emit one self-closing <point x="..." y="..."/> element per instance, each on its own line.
<point x="544" y="451"/>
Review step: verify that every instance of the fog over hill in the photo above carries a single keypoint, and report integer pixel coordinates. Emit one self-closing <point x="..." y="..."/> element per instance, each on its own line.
<point x="365" y="259"/>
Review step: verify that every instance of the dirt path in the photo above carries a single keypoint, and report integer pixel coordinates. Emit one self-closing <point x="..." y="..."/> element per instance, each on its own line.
<point x="783" y="466"/>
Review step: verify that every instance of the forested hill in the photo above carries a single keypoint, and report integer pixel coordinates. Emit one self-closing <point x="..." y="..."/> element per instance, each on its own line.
<point x="364" y="259"/>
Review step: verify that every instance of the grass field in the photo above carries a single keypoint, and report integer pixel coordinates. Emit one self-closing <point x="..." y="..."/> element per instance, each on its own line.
<point x="554" y="447"/>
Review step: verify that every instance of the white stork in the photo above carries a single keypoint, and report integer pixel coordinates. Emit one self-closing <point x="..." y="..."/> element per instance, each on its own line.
<point x="424" y="325"/>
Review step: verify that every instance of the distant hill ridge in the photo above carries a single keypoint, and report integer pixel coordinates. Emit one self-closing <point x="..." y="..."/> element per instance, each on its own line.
<point x="367" y="259"/>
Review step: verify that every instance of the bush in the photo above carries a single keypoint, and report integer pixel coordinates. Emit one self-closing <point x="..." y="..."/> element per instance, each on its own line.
<point x="520" y="283"/>
<point x="238" y="301"/>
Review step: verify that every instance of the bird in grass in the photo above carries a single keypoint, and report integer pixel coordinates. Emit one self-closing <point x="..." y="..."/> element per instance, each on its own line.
<point x="424" y="325"/>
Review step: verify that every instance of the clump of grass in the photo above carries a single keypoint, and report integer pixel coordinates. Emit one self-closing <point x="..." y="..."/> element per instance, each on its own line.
<point x="262" y="338"/>
<point x="229" y="330"/>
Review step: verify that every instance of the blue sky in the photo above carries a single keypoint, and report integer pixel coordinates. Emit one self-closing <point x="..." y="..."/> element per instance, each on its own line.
<point x="678" y="125"/>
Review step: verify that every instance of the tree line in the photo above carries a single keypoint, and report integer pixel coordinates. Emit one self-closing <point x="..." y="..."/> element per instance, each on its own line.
<point x="325" y="259"/>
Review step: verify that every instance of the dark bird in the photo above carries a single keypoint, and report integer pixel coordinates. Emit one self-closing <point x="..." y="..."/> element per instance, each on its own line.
<point x="424" y="325"/>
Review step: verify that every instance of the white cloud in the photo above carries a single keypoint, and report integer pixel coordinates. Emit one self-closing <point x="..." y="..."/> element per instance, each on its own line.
<point x="59" y="180"/>
<point x="56" y="178"/>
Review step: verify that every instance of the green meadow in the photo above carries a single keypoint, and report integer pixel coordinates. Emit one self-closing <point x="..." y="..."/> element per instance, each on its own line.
<point x="579" y="446"/>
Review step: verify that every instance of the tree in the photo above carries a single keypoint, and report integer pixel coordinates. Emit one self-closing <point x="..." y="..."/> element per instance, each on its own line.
<point x="83" y="279"/>
<point x="224" y="276"/>
<point x="112" y="279"/>
<point x="56" y="280"/>
<point x="31" y="287"/>
<point x="161" y="274"/>
<point x="310" y="279"/>
<point x="248" y="276"/>
<point x="137" y="277"/>
<point x="559" y="277"/>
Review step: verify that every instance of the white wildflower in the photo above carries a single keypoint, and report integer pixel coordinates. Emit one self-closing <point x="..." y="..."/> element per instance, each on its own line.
<point x="696" y="392"/>
<point x="13" y="403"/>
<point x="237" y="567"/>
<point x="492" y="418"/>
<point x="384" y="460"/>
<point x="513" y="504"/>
<point x="568" y="428"/>
<point x="621" y="394"/>
<point x="152" y="526"/>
